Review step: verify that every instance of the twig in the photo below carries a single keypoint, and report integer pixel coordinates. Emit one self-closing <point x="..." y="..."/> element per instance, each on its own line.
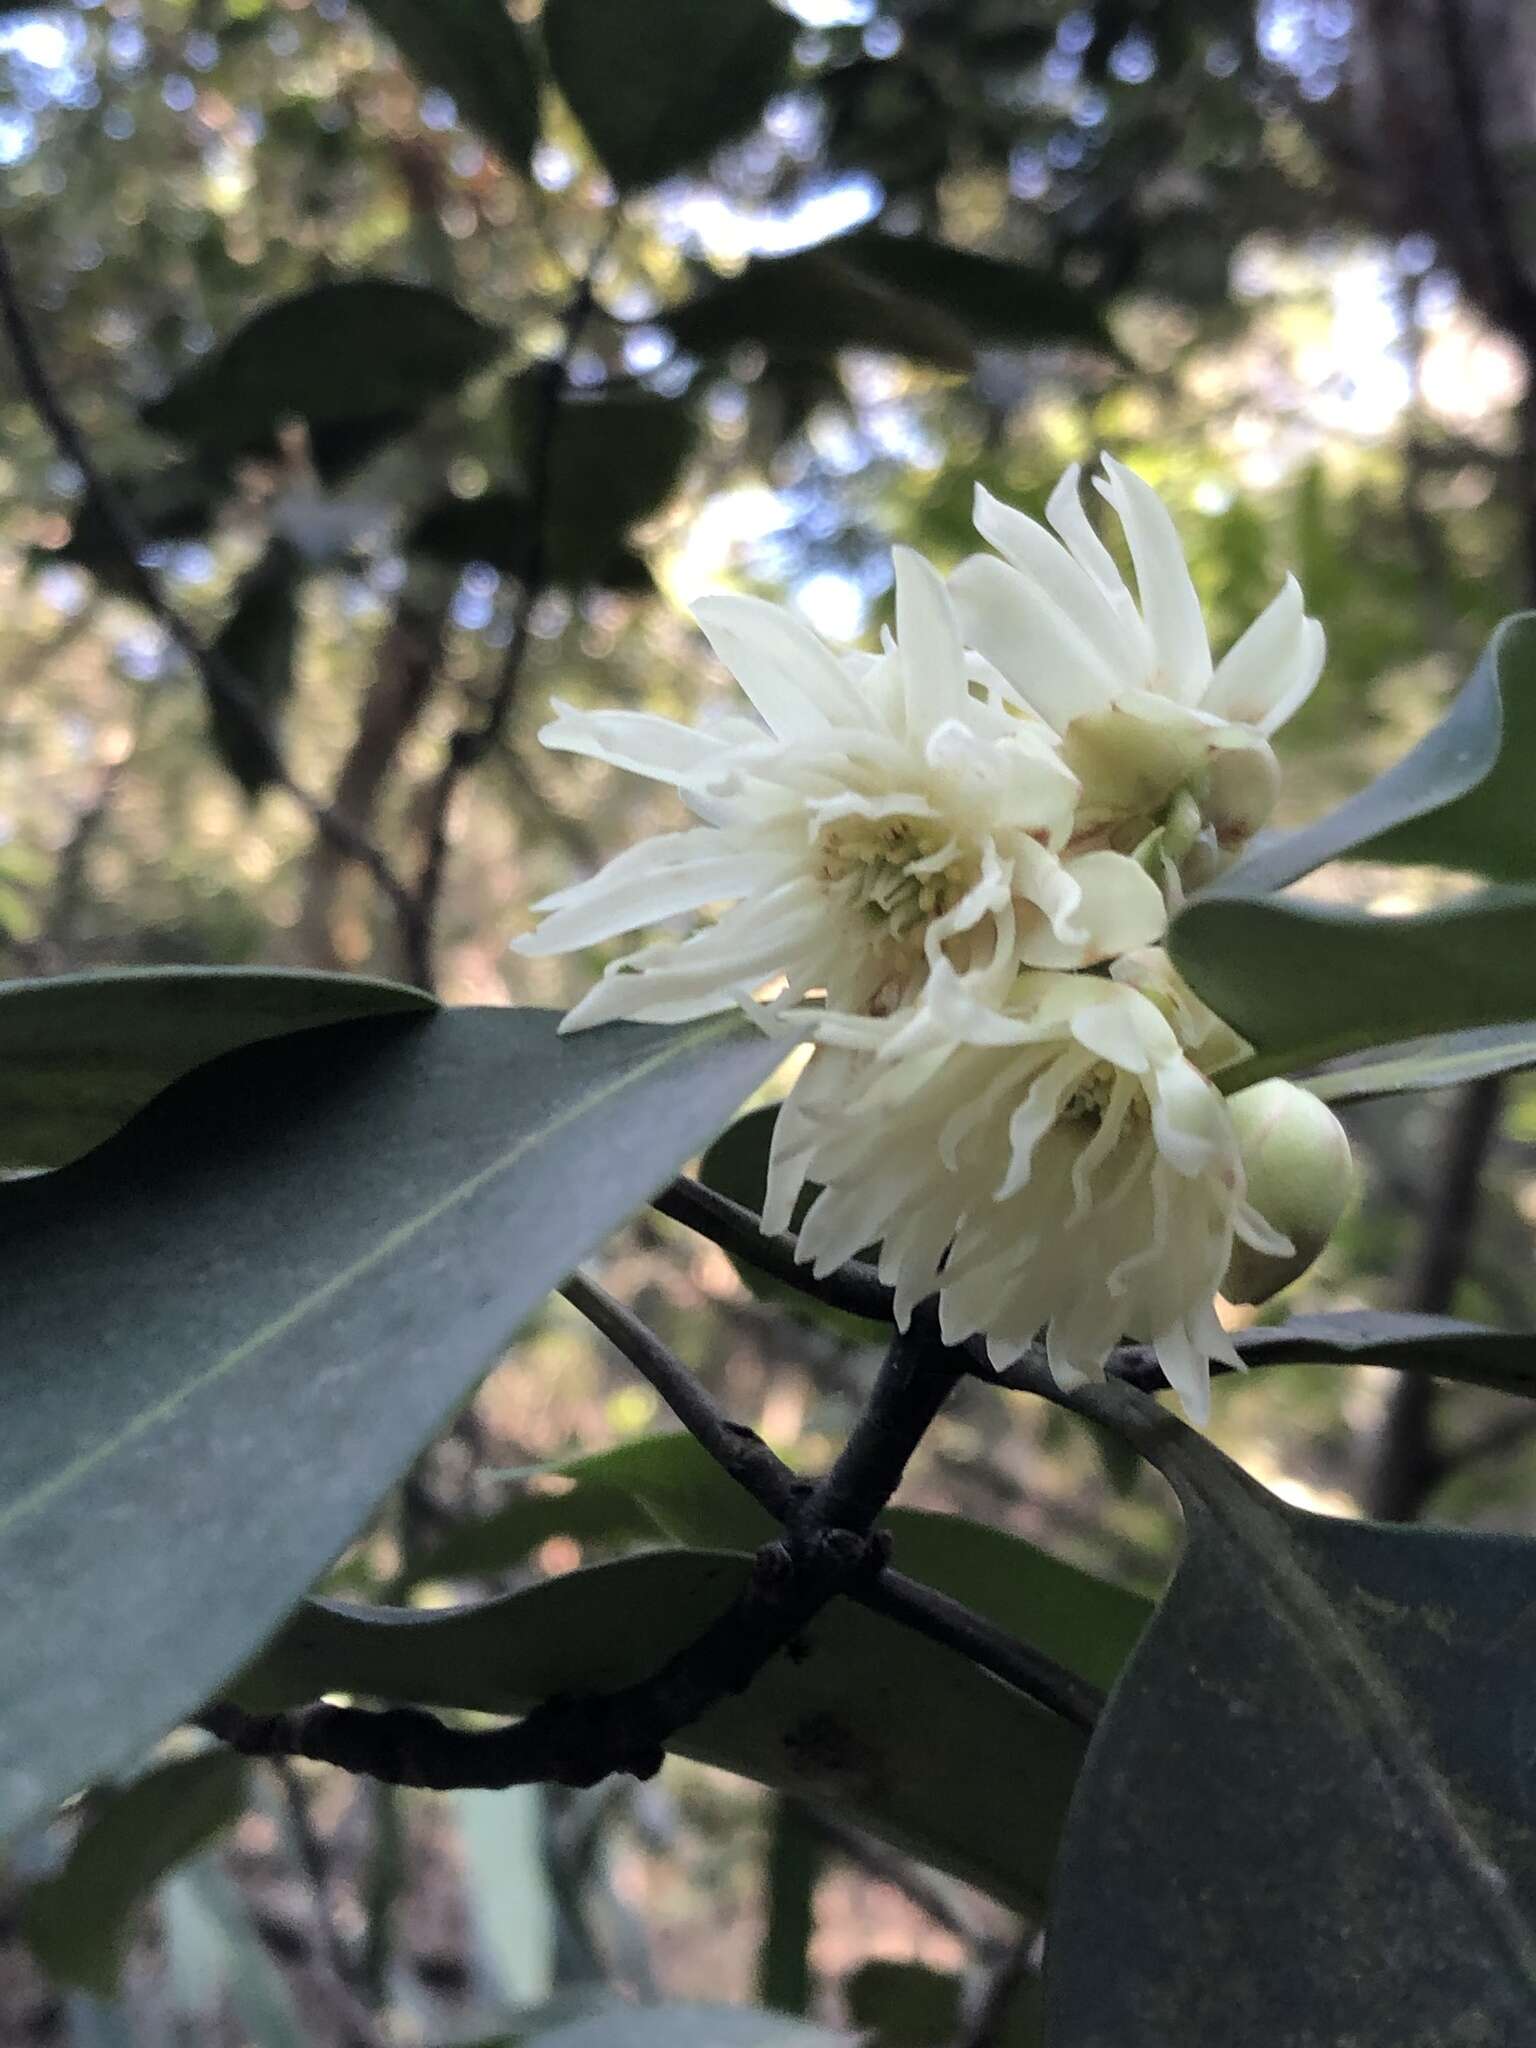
<point x="920" y="1379"/>
<point x="221" y="679"/>
<point x="929" y="1892"/>
<point x="988" y="2020"/>
<point x="736" y="1449"/>
<point x="475" y="738"/>
<point x="856" y="1289"/>
<point x="574" y="1742"/>
<point x="827" y="1549"/>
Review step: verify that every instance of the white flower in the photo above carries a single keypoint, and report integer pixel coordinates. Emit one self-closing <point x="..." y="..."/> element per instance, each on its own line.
<point x="1038" y="1150"/>
<point x="889" y="811"/>
<point x="1163" y="740"/>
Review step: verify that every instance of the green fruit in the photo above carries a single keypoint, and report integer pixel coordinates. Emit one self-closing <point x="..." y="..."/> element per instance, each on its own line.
<point x="1296" y="1158"/>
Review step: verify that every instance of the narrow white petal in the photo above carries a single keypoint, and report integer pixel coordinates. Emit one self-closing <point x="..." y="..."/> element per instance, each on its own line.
<point x="1267" y="673"/>
<point x="649" y="882"/>
<point x="1187" y="1370"/>
<point x="1169" y="602"/>
<point x="641" y="743"/>
<point x="793" y="679"/>
<point x="1066" y="582"/>
<point x="710" y="971"/>
<point x="1042" y="652"/>
<point x="1121" y="907"/>
<point x="1129" y="1034"/>
<point x="932" y="653"/>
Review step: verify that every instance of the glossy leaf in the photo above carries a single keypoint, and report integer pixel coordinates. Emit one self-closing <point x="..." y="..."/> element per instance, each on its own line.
<point x="658" y="87"/>
<point x="258" y="640"/>
<point x="1304" y="982"/>
<point x="999" y="303"/>
<point x="668" y="1485"/>
<point x="79" y="1922"/>
<point x="847" y="1720"/>
<point x="1461" y="799"/>
<point x="814" y="303"/>
<point x="473" y="51"/>
<point x="1309" y="1806"/>
<point x="361" y="1219"/>
<point x="1422" y="1063"/>
<point x="298" y="359"/>
<point x="613" y="462"/>
<point x="1411" y="1343"/>
<point x="81" y="1053"/>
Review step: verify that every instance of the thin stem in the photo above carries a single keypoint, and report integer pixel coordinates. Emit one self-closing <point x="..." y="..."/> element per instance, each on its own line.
<point x="855" y="1288"/>
<point x="223" y="682"/>
<point x="743" y="1454"/>
<point x="828" y="1548"/>
<point x="477" y="736"/>
<point x="736" y="1449"/>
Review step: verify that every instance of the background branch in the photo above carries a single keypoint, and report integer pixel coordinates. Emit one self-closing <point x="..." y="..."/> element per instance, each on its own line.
<point x="477" y="736"/>
<point x="221" y="680"/>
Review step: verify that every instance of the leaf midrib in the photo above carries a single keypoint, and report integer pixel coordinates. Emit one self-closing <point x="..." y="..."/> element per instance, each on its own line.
<point x="81" y="1466"/>
<point x="1360" y="1688"/>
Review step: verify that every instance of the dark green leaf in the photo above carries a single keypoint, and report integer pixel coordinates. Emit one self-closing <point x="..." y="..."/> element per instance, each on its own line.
<point x="1442" y="1062"/>
<point x="492" y="528"/>
<point x="1305" y="982"/>
<point x="473" y="51"/>
<point x="657" y="87"/>
<point x="813" y="303"/>
<point x="1308" y="1812"/>
<point x="79" y="1922"/>
<point x="177" y="503"/>
<point x="1413" y="1343"/>
<point x="258" y="641"/>
<point x="81" y="1053"/>
<point x="591" y="1513"/>
<point x="1007" y="304"/>
<point x="224" y="1333"/>
<point x="669" y="1485"/>
<point x="848" y="1720"/>
<point x="1077" y="1619"/>
<point x="612" y="462"/>
<point x="909" y="2005"/>
<point x="368" y="353"/>
<point x="1461" y="799"/>
<point x="905" y="2005"/>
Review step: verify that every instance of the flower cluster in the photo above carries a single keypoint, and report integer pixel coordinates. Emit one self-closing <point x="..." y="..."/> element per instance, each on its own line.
<point x="951" y="862"/>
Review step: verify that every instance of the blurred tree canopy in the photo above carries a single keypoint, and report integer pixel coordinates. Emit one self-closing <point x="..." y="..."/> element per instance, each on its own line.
<point x="431" y="356"/>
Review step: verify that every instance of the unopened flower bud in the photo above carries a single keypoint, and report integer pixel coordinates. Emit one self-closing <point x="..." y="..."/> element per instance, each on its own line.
<point x="1296" y="1158"/>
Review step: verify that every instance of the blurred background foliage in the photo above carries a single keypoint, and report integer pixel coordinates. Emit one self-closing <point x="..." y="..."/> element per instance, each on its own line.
<point x="301" y="284"/>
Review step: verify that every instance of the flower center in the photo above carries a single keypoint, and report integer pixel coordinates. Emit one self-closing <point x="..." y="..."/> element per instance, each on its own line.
<point x="900" y="872"/>
<point x="1089" y="1100"/>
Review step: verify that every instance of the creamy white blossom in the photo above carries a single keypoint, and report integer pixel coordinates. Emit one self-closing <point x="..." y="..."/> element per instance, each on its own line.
<point x="1172" y="748"/>
<point x="887" y="812"/>
<point x="1042" y="1151"/>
